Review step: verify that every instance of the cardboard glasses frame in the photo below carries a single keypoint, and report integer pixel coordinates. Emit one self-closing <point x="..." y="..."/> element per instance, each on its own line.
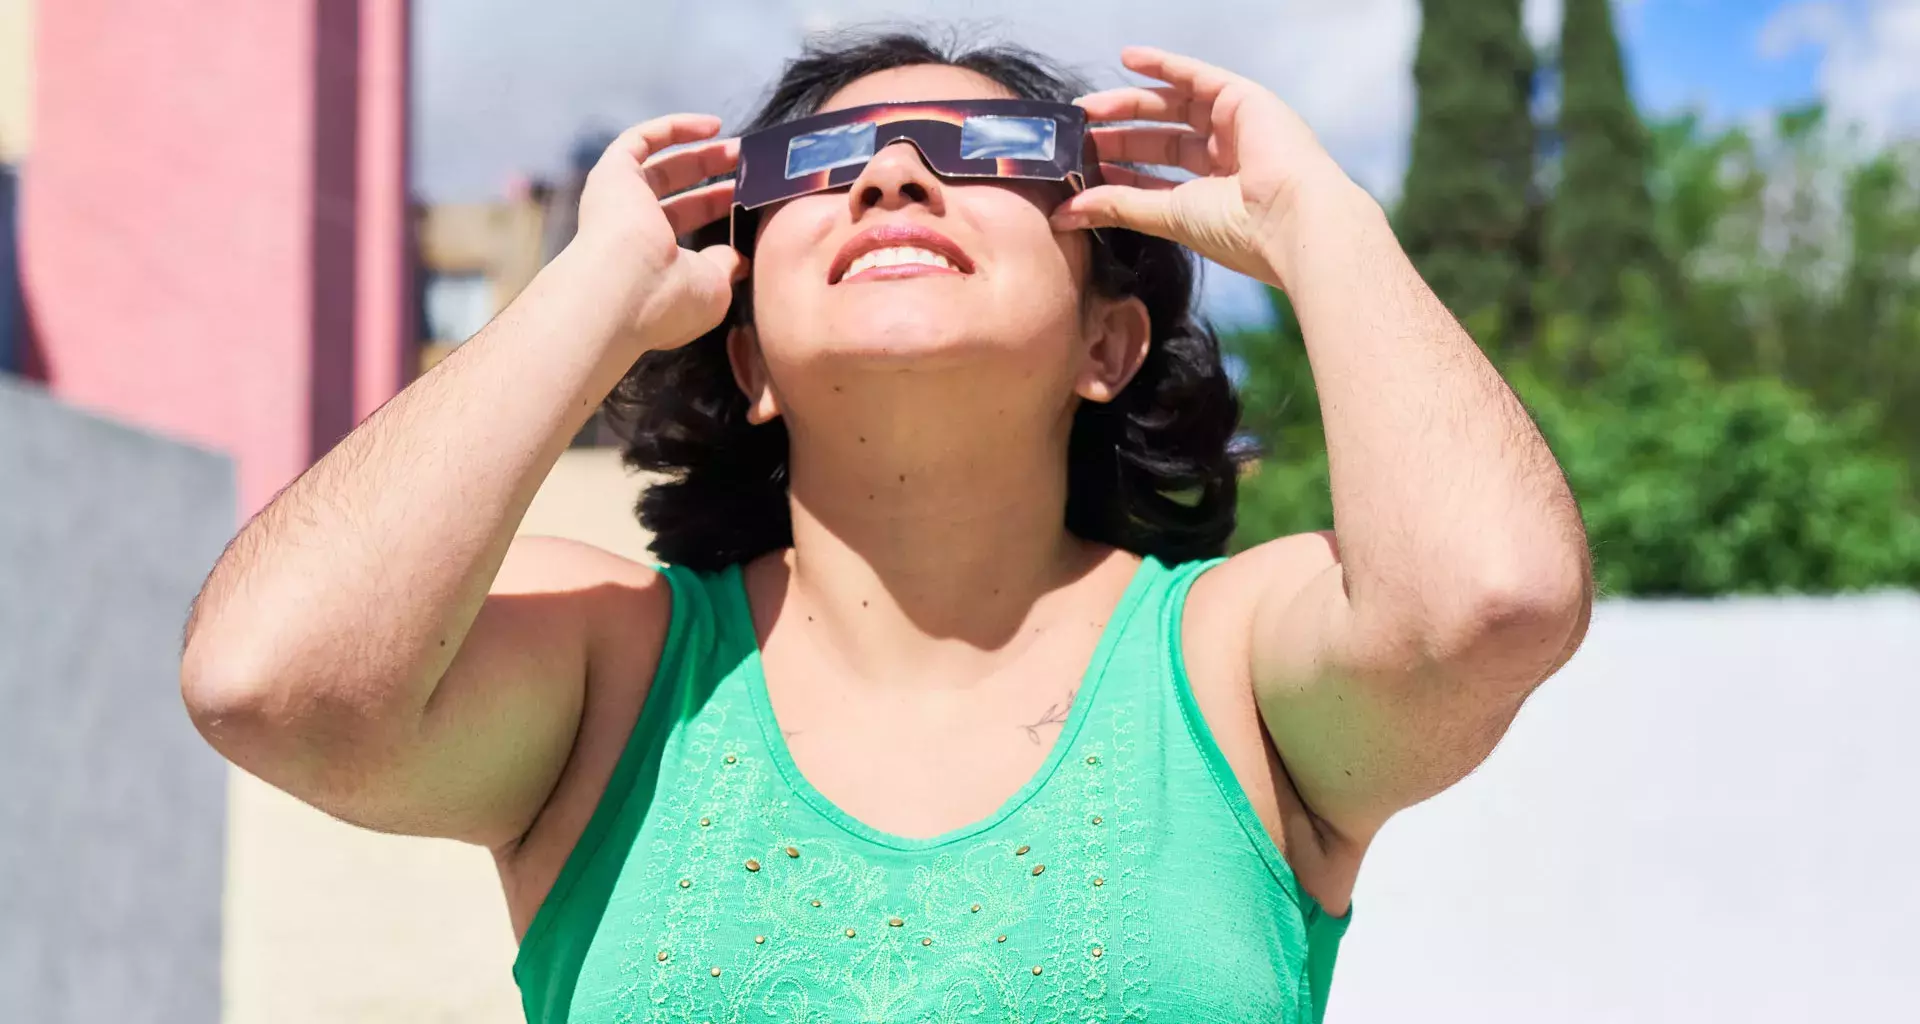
<point x="1010" y="139"/>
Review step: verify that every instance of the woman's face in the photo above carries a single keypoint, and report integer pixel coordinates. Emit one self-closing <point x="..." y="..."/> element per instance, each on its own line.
<point x="1010" y="296"/>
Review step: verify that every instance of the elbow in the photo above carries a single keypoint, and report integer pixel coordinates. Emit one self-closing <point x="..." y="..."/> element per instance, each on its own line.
<point x="257" y="713"/>
<point x="233" y="700"/>
<point x="1505" y="629"/>
<point x="226" y="679"/>
<point x="288" y="733"/>
<point x="1515" y="629"/>
<point x="329" y="739"/>
<point x="217" y="690"/>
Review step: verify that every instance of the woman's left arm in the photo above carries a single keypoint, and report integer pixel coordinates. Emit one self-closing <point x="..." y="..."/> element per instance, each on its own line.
<point x="1387" y="663"/>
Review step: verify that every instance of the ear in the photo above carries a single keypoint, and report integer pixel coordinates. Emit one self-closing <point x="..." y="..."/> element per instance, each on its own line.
<point x="1116" y="336"/>
<point x="750" y="373"/>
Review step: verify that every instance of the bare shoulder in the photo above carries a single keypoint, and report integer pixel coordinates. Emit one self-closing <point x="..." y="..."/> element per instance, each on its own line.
<point x="628" y="607"/>
<point x="1232" y="593"/>
<point x="1217" y="642"/>
<point x="1224" y="599"/>
<point x="537" y="564"/>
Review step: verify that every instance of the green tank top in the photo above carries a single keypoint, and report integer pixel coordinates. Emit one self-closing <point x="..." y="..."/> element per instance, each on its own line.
<point x="1129" y="879"/>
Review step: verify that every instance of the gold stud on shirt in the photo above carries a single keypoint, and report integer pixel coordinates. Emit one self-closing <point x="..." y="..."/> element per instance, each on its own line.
<point x="1036" y="968"/>
<point x="662" y="957"/>
<point x="715" y="972"/>
<point x="704" y="822"/>
<point x="926" y="941"/>
<point x="895" y="922"/>
<point x="1096" y="819"/>
<point x="1022" y="851"/>
<point x="731" y="759"/>
<point x="849" y="933"/>
<point x="1037" y="868"/>
<point x="684" y="882"/>
<point x="816" y="903"/>
<point x="759" y="940"/>
<point x="1093" y="759"/>
<point x="752" y="865"/>
<point x="1000" y="938"/>
<point x="1099" y="881"/>
<point x="1097" y="951"/>
<point x="791" y="852"/>
<point x="976" y="908"/>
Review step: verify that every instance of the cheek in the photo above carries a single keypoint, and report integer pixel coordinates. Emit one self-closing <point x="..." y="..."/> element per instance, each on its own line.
<point x="1042" y="270"/>
<point x="1022" y="214"/>
<point x="788" y="232"/>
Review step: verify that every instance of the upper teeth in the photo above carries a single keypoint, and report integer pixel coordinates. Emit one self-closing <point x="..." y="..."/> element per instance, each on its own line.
<point x="895" y="256"/>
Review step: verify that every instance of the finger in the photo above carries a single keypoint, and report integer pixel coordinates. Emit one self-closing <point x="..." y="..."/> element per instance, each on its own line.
<point x="728" y="259"/>
<point x="667" y="173"/>
<point x="1139" y="103"/>
<point x="1118" y="206"/>
<point x="1114" y="174"/>
<point x="649" y="137"/>
<point x="1170" y="146"/>
<point x="1198" y="77"/>
<point x="696" y="208"/>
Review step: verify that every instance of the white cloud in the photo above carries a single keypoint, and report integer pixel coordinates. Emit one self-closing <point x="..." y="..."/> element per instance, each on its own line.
<point x="1543" y="21"/>
<point x="1543" y="18"/>
<point x="1869" y="58"/>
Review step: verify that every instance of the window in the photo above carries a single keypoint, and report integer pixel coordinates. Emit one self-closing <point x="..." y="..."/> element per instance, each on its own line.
<point x="457" y="305"/>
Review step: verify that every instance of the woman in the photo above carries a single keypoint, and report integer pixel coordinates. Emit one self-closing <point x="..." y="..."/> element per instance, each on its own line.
<point x="944" y="705"/>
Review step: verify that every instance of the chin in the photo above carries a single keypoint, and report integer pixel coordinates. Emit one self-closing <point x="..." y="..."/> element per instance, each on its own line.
<point x="913" y="337"/>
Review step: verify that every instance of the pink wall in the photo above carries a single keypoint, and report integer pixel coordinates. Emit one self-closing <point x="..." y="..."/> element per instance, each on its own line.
<point x="198" y="213"/>
<point x="383" y="330"/>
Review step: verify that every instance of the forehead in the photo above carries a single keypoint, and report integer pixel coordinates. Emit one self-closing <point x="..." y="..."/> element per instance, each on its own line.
<point x="915" y="83"/>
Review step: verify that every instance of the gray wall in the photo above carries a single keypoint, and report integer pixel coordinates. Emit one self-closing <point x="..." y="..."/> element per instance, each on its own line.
<point x="112" y="809"/>
<point x="1711" y="815"/>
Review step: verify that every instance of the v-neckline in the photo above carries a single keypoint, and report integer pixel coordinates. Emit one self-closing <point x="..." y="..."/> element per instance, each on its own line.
<point x="776" y="741"/>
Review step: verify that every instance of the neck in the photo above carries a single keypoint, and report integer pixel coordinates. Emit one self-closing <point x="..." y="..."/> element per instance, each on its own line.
<point x="921" y="544"/>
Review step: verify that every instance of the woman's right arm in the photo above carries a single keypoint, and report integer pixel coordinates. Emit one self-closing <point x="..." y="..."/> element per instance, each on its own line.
<point x="374" y="641"/>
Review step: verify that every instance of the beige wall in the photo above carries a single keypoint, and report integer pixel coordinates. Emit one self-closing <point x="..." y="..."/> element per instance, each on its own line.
<point x="499" y="240"/>
<point x="16" y="79"/>
<point x="330" y="923"/>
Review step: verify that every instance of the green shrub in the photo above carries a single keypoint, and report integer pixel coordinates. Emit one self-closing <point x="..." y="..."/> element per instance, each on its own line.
<point x="1689" y="485"/>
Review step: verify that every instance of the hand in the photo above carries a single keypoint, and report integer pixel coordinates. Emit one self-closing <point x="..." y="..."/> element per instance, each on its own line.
<point x="673" y="295"/>
<point x="1253" y="154"/>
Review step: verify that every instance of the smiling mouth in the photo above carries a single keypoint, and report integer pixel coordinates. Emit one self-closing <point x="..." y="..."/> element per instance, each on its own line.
<point x="898" y="261"/>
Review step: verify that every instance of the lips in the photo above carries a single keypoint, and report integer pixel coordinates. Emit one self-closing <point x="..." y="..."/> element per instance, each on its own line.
<point x="884" y="236"/>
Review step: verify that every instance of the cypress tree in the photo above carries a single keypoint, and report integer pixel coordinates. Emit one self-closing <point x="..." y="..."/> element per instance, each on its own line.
<point x="1600" y="224"/>
<point x="1466" y="215"/>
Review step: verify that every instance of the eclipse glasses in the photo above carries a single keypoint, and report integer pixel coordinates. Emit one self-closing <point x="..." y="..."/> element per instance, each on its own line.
<point x="1015" y="139"/>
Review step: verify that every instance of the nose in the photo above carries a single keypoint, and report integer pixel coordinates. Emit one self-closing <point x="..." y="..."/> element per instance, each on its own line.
<point x="894" y="179"/>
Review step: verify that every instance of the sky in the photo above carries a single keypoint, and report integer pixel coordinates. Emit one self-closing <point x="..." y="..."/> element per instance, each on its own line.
<point x="503" y="87"/>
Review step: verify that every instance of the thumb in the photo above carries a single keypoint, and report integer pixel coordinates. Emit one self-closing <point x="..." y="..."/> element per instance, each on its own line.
<point x="1149" y="211"/>
<point x="728" y="259"/>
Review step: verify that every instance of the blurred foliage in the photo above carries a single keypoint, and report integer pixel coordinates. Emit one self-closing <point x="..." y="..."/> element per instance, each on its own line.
<point x="1286" y="491"/>
<point x="1718" y="331"/>
<point x="1467" y="217"/>
<point x="1599" y="223"/>
<point x="1800" y="254"/>
<point x="1692" y="485"/>
<point x="1689" y="484"/>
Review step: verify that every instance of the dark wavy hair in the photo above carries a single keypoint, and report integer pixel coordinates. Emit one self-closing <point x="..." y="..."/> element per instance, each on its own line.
<point x="1153" y="471"/>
